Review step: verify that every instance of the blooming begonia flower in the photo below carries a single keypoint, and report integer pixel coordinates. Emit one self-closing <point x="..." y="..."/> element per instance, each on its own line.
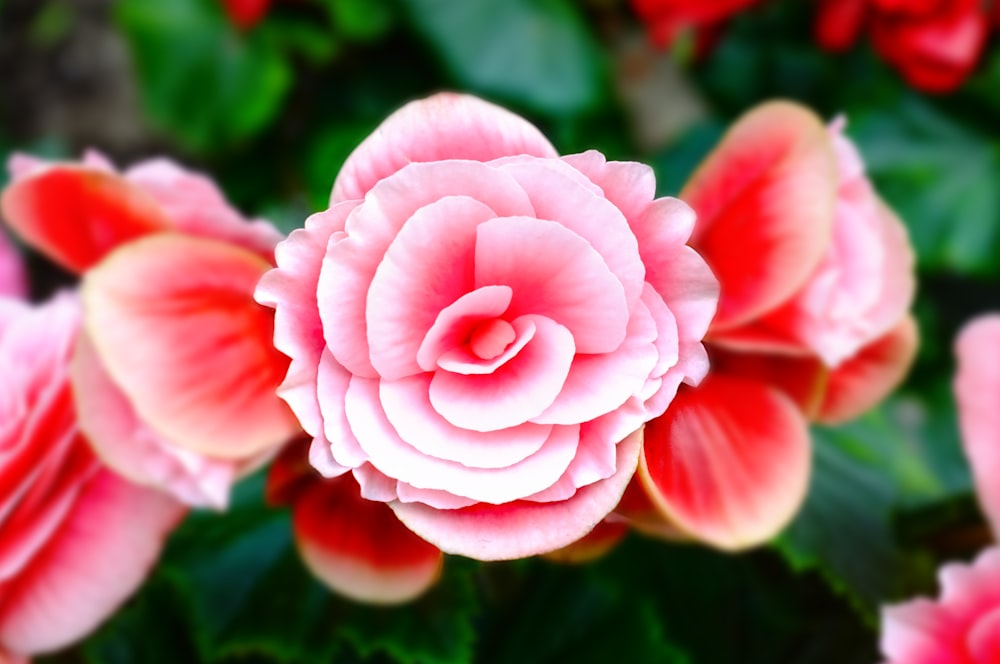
<point x="479" y="328"/>
<point x="75" y="539"/>
<point x="174" y="371"/>
<point x="817" y="277"/>
<point x="356" y="547"/>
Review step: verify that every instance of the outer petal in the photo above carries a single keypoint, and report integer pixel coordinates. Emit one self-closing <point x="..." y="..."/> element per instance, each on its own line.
<point x="75" y="214"/>
<point x="765" y="200"/>
<point x="977" y="391"/>
<point x="445" y="126"/>
<point x="358" y="547"/>
<point x="99" y="558"/>
<point x="175" y="325"/>
<point x="868" y="377"/>
<point x="520" y="528"/>
<point x="728" y="462"/>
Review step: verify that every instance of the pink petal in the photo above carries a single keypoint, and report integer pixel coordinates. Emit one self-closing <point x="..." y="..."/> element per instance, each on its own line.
<point x="331" y="388"/>
<point x="918" y="632"/>
<point x="765" y="200"/>
<point x="99" y="558"/>
<point x="75" y="215"/>
<point x="352" y="258"/>
<point x="444" y="126"/>
<point x="291" y="290"/>
<point x="629" y="185"/>
<point x="455" y="322"/>
<point x="174" y="323"/>
<point x="554" y="273"/>
<point x="428" y="266"/>
<point x="516" y="392"/>
<point x="728" y="462"/>
<point x="520" y="529"/>
<point x="867" y="378"/>
<point x="984" y="639"/>
<point x="977" y="393"/>
<point x="359" y="548"/>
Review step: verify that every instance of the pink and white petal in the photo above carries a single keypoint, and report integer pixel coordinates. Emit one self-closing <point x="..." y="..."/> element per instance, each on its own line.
<point x="867" y="378"/>
<point x="174" y="323"/>
<point x="133" y="450"/>
<point x="516" y="392"/>
<point x="520" y="529"/>
<point x="441" y="500"/>
<point x="898" y="270"/>
<point x="554" y="273"/>
<point x="728" y="463"/>
<point x="765" y="203"/>
<point x="629" y="185"/>
<point x="407" y="406"/>
<point x="75" y="215"/>
<point x="455" y="323"/>
<point x="331" y="388"/>
<point x="557" y="196"/>
<point x="99" y="558"/>
<point x="195" y="206"/>
<point x="444" y="126"/>
<point x="321" y="458"/>
<point x="352" y="259"/>
<point x="392" y="456"/>
<point x="359" y="548"/>
<point x="599" y="384"/>
<point x="291" y="290"/>
<point x="376" y="485"/>
<point x="428" y="266"/>
<point x="918" y="632"/>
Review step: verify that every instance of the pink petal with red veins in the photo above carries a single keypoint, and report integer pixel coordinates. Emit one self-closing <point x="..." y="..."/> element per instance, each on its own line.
<point x="427" y="267"/>
<point x="867" y="378"/>
<point x="516" y="392"/>
<point x="99" y="557"/>
<point x="728" y="462"/>
<point x="331" y="387"/>
<point x="407" y="406"/>
<point x="598" y="384"/>
<point x="454" y="324"/>
<point x="291" y="290"/>
<point x="629" y="185"/>
<point x="352" y="260"/>
<point x="557" y="195"/>
<point x="520" y="529"/>
<point x="765" y="200"/>
<point x="554" y="273"/>
<point x="174" y="323"/>
<point x="444" y="126"/>
<point x="397" y="459"/>
<point x="133" y="450"/>
<point x="359" y="548"/>
<point x="75" y="215"/>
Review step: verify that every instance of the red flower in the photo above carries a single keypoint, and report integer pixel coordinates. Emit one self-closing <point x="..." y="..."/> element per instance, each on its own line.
<point x="667" y="18"/>
<point x="245" y="14"/>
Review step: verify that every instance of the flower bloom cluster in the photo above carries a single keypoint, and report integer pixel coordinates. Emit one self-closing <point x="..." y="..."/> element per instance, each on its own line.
<point x="479" y="329"/>
<point x="962" y="626"/>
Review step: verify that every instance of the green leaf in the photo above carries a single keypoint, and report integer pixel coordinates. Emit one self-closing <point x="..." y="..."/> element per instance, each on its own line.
<point x="361" y="20"/>
<point x="538" y="53"/>
<point x="201" y="80"/>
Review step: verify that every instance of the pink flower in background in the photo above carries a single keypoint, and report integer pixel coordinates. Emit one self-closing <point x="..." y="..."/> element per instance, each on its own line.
<point x="357" y="547"/>
<point x="816" y="279"/>
<point x="174" y="371"/>
<point x="75" y="539"/>
<point x="479" y="329"/>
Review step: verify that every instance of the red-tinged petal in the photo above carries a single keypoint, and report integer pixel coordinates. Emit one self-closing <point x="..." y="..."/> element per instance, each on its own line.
<point x="638" y="511"/>
<point x="521" y="528"/>
<point x="75" y="215"/>
<point x="598" y="542"/>
<point x="977" y="393"/>
<point x="803" y="379"/>
<point x="174" y="323"/>
<point x="867" y="378"/>
<point x="98" y="559"/>
<point x="765" y="200"/>
<point x="984" y="639"/>
<point x="839" y="22"/>
<point x="359" y="548"/>
<point x="728" y="462"/>
<point x="444" y="126"/>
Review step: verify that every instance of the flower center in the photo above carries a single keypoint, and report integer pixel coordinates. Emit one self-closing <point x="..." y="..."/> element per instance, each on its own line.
<point x="491" y="338"/>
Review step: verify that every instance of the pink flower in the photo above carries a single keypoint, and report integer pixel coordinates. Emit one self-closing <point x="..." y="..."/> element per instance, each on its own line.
<point x="961" y="627"/>
<point x="357" y="547"/>
<point x="75" y="539"/>
<point x="174" y="372"/>
<point x="817" y="277"/>
<point x="479" y="328"/>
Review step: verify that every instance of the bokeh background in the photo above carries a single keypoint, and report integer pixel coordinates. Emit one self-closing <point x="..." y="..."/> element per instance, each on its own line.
<point x="270" y="98"/>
